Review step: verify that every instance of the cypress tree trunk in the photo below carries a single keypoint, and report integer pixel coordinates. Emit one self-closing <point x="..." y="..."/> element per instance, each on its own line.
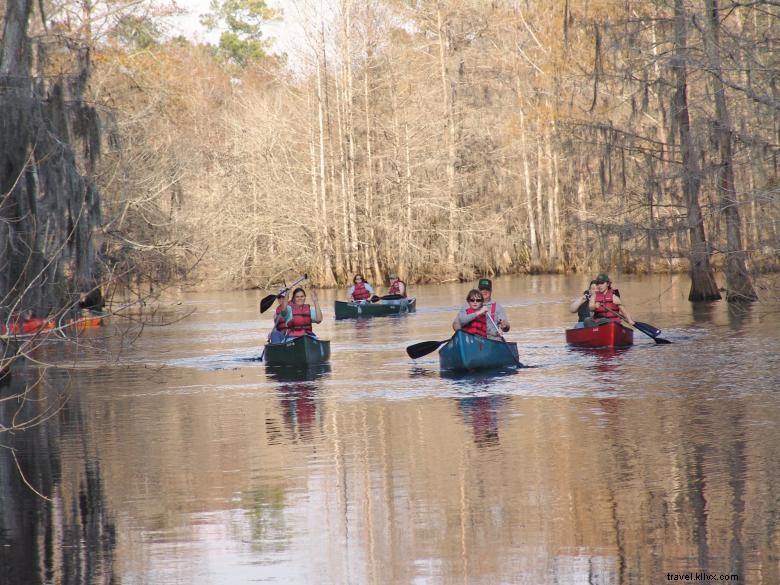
<point x="48" y="210"/>
<point x="703" y="286"/>
<point x="738" y="281"/>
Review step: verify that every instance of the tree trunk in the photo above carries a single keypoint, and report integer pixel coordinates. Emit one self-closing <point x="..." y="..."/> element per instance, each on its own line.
<point x="738" y="280"/>
<point x="48" y="210"/>
<point x="703" y="286"/>
<point x="449" y="116"/>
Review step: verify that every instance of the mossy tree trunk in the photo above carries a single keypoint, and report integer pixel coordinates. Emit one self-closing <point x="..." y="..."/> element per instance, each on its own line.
<point x="49" y="206"/>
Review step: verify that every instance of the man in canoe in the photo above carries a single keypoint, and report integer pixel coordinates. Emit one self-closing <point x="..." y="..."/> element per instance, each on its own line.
<point x="360" y="290"/>
<point x="471" y="318"/>
<point x="496" y="313"/>
<point x="397" y="287"/>
<point x="606" y="303"/>
<point x="299" y="316"/>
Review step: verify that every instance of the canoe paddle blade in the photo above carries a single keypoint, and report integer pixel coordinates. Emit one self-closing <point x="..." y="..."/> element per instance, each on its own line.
<point x="267" y="302"/>
<point x="647" y="328"/>
<point x="418" y="350"/>
<point x="651" y="331"/>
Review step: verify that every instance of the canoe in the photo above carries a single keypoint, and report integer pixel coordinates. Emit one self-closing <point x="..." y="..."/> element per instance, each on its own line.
<point x="34" y="325"/>
<point x="345" y="310"/>
<point x="299" y="351"/>
<point x="473" y="352"/>
<point x="612" y="334"/>
<point x="85" y="322"/>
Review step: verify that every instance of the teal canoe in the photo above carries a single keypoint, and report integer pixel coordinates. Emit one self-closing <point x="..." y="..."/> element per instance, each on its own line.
<point x="382" y="308"/>
<point x="298" y="352"/>
<point x="464" y="352"/>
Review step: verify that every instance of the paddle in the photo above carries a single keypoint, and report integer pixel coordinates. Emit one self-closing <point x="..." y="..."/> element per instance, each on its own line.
<point x="376" y="299"/>
<point x="646" y="328"/>
<point x="418" y="350"/>
<point x="267" y="301"/>
<point x="503" y="339"/>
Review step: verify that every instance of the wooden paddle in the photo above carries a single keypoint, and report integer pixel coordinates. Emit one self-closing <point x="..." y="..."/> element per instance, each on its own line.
<point x="646" y="328"/>
<point x="267" y="301"/>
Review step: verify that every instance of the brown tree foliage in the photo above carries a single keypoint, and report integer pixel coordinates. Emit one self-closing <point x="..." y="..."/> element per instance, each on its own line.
<point x="448" y="138"/>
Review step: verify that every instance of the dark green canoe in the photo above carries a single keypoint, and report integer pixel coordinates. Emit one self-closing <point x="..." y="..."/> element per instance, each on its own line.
<point x="382" y="308"/>
<point x="299" y="351"/>
<point x="465" y="352"/>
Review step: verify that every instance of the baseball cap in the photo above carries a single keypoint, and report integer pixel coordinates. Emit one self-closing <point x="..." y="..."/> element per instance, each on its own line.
<point x="485" y="284"/>
<point x="603" y="278"/>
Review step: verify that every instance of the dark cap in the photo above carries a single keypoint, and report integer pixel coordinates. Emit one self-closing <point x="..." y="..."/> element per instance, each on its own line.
<point x="485" y="284"/>
<point x="603" y="278"/>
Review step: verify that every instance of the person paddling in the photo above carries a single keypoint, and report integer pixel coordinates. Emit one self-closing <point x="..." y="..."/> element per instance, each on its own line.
<point x="472" y="318"/>
<point x="279" y="332"/>
<point x="606" y="303"/>
<point x="299" y="316"/>
<point x="397" y="287"/>
<point x="580" y="305"/>
<point x="497" y="312"/>
<point x="360" y="290"/>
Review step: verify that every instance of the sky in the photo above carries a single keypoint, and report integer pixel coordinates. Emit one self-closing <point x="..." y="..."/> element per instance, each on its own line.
<point x="189" y="23"/>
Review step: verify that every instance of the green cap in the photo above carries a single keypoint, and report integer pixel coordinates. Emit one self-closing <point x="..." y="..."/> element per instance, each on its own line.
<point x="485" y="284"/>
<point x="603" y="277"/>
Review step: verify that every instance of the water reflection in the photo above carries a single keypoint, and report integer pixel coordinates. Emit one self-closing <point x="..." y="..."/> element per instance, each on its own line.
<point x="51" y="531"/>
<point x="297" y="374"/>
<point x="373" y="470"/>
<point x="481" y="414"/>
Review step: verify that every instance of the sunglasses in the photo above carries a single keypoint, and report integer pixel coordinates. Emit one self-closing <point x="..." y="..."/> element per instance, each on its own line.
<point x="476" y="300"/>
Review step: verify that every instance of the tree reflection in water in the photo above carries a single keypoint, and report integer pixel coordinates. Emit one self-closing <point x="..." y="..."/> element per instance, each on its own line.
<point x="64" y="533"/>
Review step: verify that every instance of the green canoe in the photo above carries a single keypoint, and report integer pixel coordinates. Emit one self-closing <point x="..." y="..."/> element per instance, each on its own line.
<point x="382" y="308"/>
<point x="299" y="351"/>
<point x="466" y="352"/>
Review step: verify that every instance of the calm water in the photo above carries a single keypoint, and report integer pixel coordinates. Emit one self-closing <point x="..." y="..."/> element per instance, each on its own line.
<point x="182" y="460"/>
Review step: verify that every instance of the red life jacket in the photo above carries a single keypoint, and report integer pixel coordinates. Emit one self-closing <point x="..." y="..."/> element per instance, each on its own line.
<point x="300" y="324"/>
<point x="395" y="288"/>
<point x="607" y="304"/>
<point x="279" y="323"/>
<point x="361" y="292"/>
<point x="479" y="325"/>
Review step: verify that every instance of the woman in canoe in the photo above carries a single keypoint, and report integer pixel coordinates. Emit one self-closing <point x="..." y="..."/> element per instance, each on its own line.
<point x="580" y="305"/>
<point x="606" y="303"/>
<point x="299" y="316"/>
<point x="360" y="289"/>
<point x="473" y="317"/>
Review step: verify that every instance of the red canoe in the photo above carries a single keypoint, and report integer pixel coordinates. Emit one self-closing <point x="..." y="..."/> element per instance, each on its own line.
<point x="35" y="325"/>
<point x="30" y="326"/>
<point x="612" y="334"/>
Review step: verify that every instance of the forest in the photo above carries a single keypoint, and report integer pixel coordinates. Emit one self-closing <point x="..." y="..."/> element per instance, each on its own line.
<point x="439" y="139"/>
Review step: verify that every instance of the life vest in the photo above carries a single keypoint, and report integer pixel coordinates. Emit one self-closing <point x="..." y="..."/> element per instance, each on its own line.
<point x="300" y="324"/>
<point x="395" y="288"/>
<point x="479" y="325"/>
<point x="279" y="323"/>
<point x="360" y="293"/>
<point x="606" y="304"/>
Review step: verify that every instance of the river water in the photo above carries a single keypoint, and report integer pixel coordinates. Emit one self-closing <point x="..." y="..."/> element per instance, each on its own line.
<point x="179" y="459"/>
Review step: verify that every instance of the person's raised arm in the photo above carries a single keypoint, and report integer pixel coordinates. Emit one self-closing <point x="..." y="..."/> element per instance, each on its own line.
<point x="576" y="303"/>
<point x="317" y="311"/>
